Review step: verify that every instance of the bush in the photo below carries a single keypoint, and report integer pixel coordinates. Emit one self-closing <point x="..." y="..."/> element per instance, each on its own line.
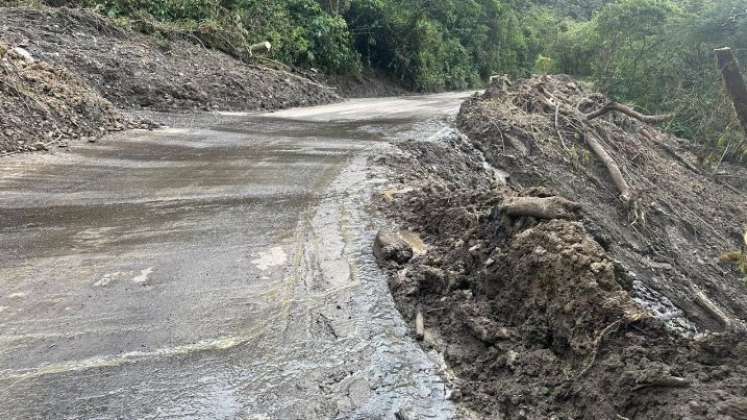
<point x="658" y="54"/>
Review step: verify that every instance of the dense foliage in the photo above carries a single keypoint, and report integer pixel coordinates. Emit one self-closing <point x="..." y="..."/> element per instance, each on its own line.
<point x="658" y="54"/>
<point x="427" y="45"/>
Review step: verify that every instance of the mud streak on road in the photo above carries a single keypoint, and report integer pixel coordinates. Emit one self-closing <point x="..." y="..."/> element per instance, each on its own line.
<point x="216" y="271"/>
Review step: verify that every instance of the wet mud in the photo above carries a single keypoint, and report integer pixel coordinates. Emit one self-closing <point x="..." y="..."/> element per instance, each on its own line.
<point x="605" y="314"/>
<point x="220" y="268"/>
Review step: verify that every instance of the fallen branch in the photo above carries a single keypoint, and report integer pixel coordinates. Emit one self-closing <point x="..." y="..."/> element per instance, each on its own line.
<point x="670" y="150"/>
<point x="617" y="177"/>
<point x="665" y="381"/>
<point x="615" y="106"/>
<point x="541" y="208"/>
<point x="706" y="303"/>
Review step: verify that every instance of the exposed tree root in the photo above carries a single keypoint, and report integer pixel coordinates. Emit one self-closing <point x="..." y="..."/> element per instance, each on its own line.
<point x="541" y="98"/>
<point x="541" y="208"/>
<point x="626" y="194"/>
<point x="706" y="303"/>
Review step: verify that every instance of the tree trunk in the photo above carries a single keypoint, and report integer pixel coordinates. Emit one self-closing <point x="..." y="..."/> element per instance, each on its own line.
<point x="734" y="82"/>
<point x="541" y="208"/>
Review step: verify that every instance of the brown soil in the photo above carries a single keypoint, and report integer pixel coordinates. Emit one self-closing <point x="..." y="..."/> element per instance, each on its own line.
<point x="367" y="85"/>
<point x="624" y="312"/>
<point x="85" y="67"/>
<point x="44" y="105"/>
<point x="133" y="70"/>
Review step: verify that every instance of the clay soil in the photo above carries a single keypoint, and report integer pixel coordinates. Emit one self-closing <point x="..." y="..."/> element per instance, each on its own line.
<point x="621" y="311"/>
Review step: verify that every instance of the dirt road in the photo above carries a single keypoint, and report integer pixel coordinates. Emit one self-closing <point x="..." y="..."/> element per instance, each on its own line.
<point x="219" y="271"/>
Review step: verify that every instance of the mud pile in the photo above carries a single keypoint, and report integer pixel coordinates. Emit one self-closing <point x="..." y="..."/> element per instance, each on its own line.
<point x="616" y="308"/>
<point x="133" y="70"/>
<point x="44" y="105"/>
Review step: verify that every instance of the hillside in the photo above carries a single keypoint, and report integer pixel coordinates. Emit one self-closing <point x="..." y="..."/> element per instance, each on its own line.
<point x="81" y="69"/>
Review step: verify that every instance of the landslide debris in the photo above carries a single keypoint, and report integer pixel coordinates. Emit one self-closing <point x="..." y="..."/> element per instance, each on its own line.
<point x="44" y="105"/>
<point x="133" y="70"/>
<point x="595" y="307"/>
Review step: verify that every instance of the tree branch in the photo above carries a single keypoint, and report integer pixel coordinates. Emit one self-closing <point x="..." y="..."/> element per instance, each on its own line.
<point x="615" y="106"/>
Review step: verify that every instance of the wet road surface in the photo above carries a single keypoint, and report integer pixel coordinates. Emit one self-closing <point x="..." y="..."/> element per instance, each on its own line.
<point x="220" y="271"/>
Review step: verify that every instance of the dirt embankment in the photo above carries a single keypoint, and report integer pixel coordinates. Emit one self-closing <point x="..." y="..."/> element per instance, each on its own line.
<point x="89" y="56"/>
<point x="44" y="105"/>
<point x="592" y="307"/>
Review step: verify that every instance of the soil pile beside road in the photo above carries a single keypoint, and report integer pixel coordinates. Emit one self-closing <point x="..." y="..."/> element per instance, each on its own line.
<point x="76" y="68"/>
<point x="593" y="307"/>
<point x="133" y="70"/>
<point x="43" y="105"/>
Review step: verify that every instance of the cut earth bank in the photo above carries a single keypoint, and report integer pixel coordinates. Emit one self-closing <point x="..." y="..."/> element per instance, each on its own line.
<point x="67" y="74"/>
<point x="549" y="295"/>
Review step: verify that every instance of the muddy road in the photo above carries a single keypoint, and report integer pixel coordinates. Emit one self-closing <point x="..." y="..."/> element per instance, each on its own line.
<point x="217" y="270"/>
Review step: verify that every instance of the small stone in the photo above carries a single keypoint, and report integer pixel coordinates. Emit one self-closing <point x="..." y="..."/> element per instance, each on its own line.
<point x="388" y="246"/>
<point x="22" y="54"/>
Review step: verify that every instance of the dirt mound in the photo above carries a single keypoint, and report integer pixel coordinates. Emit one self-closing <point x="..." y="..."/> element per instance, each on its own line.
<point x="679" y="220"/>
<point x="611" y="308"/>
<point x="133" y="70"/>
<point x="44" y="105"/>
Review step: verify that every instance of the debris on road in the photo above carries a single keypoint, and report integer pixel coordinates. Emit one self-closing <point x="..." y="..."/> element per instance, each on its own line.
<point x="390" y="247"/>
<point x="565" y="299"/>
<point x="44" y="104"/>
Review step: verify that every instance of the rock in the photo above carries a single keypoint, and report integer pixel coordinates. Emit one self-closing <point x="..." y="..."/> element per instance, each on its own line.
<point x="390" y="247"/>
<point x="21" y="54"/>
<point x="39" y="146"/>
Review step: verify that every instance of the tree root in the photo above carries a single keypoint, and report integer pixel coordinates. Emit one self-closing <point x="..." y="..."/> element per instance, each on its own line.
<point x="706" y="303"/>
<point x="666" y="381"/>
<point x="626" y="194"/>
<point x="541" y="208"/>
<point x="597" y="345"/>
<point x="616" y="106"/>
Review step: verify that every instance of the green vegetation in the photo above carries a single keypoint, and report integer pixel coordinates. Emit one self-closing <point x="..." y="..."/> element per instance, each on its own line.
<point x="655" y="54"/>
<point x="426" y="45"/>
<point x="658" y="54"/>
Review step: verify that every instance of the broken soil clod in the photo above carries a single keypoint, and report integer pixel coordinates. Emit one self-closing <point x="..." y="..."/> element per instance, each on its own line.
<point x="44" y="104"/>
<point x="390" y="247"/>
<point x="561" y="300"/>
